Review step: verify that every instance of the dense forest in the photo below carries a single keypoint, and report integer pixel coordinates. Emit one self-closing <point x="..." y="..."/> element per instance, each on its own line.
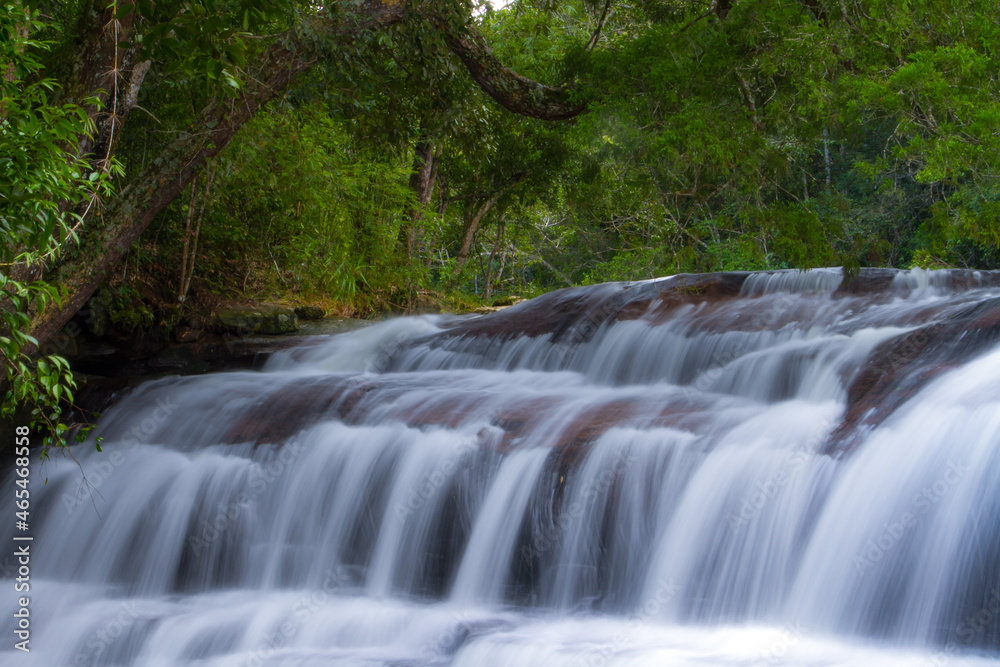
<point x="161" y="159"/>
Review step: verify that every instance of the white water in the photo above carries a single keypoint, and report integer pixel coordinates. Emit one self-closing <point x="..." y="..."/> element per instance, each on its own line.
<point x="657" y="495"/>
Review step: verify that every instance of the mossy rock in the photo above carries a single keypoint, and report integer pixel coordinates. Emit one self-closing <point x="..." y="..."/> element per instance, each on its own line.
<point x="278" y="321"/>
<point x="310" y="312"/>
<point x="509" y="300"/>
<point x="269" y="320"/>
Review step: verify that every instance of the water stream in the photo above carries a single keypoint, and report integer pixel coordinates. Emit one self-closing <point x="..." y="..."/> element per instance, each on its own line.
<point x="662" y="490"/>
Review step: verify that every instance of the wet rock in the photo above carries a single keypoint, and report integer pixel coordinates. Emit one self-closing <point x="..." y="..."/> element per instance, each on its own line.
<point x="275" y="418"/>
<point x="193" y="322"/>
<point x="574" y="314"/>
<point x="868" y="281"/>
<point x="278" y="321"/>
<point x="310" y="312"/>
<point x="176" y="358"/>
<point x="241" y="321"/>
<point x="98" y="393"/>
<point x="93" y="356"/>
<point x="902" y="366"/>
<point x="97" y="319"/>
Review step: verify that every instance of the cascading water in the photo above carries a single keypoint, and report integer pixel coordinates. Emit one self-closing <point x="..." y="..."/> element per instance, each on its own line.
<point x="763" y="469"/>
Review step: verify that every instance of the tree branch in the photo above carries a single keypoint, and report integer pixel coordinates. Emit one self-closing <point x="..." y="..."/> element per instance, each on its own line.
<point x="592" y="42"/>
<point x="135" y="207"/>
<point x="513" y="91"/>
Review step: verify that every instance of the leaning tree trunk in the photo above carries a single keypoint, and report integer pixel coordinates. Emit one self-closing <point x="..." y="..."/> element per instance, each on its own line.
<point x="134" y="208"/>
<point x="471" y="227"/>
<point x="513" y="91"/>
<point x="474" y="222"/>
<point x="152" y="191"/>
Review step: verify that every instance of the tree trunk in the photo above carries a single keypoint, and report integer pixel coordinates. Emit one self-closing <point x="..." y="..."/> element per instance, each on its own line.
<point x="473" y="223"/>
<point x="107" y="71"/>
<point x="592" y="42"/>
<point x="134" y="208"/>
<point x="513" y="91"/>
<point x="471" y="227"/>
<point x="488" y="290"/>
<point x="191" y="237"/>
<point x="152" y="191"/>
<point x="422" y="183"/>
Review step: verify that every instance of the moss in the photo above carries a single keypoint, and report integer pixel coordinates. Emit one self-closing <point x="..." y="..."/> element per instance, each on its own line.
<point x="123" y="307"/>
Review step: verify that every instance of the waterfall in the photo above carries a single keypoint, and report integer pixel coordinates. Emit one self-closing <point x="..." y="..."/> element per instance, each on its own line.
<point x="777" y="468"/>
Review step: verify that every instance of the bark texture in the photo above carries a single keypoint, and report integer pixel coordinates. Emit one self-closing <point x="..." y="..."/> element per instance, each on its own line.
<point x="513" y="91"/>
<point x="107" y="71"/>
<point x="472" y="225"/>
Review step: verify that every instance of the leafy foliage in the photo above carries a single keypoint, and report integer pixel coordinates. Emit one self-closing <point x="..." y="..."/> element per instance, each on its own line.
<point x="39" y="189"/>
<point x="776" y="134"/>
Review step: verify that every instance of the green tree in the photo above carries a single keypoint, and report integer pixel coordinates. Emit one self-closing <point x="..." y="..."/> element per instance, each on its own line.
<point x="45" y="198"/>
<point x="202" y="69"/>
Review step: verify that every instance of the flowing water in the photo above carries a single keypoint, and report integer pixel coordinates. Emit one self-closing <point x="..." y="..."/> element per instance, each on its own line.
<point x="665" y="489"/>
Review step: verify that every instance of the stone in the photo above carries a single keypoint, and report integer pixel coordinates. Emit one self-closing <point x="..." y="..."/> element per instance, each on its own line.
<point x="901" y="366"/>
<point x="310" y="312"/>
<point x="184" y="334"/>
<point x="241" y="321"/>
<point x="278" y="320"/>
<point x="96" y="317"/>
<point x="269" y="320"/>
<point x="508" y="300"/>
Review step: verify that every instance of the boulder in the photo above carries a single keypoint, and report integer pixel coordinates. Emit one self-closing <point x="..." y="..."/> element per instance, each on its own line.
<point x="900" y="367"/>
<point x="269" y="320"/>
<point x="241" y="321"/>
<point x="310" y="312"/>
<point x="278" y="320"/>
<point x="184" y="334"/>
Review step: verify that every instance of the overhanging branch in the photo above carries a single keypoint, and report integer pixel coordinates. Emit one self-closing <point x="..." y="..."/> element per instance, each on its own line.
<point x="513" y="91"/>
<point x="135" y="207"/>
